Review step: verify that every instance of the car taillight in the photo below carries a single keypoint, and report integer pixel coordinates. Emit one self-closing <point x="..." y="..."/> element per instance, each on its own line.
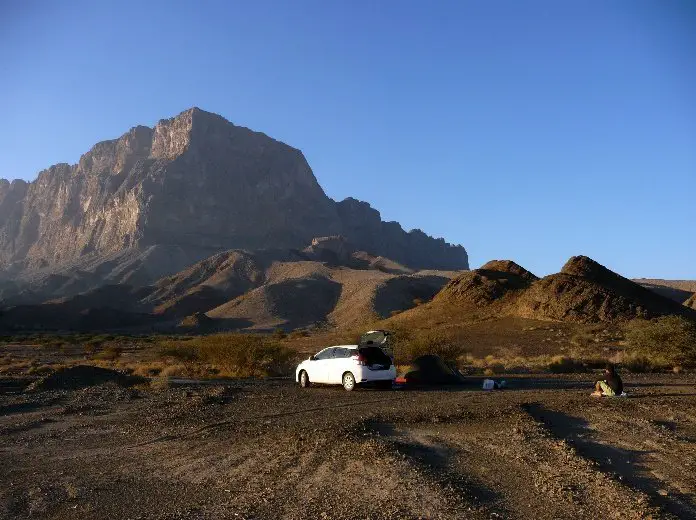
<point x="360" y="359"/>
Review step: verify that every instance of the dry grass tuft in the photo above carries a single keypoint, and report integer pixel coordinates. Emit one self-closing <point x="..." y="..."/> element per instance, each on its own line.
<point x="234" y="355"/>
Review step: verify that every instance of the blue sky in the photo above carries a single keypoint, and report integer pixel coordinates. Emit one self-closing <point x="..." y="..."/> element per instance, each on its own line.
<point x="531" y="130"/>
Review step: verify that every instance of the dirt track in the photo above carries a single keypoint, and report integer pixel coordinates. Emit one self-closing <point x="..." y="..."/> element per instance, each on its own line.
<point x="542" y="449"/>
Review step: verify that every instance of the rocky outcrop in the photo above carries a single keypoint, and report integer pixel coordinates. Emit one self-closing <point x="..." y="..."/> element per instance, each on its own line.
<point x="508" y="266"/>
<point x="493" y="281"/>
<point x="586" y="291"/>
<point x="691" y="302"/>
<point x="363" y="225"/>
<point x="199" y="183"/>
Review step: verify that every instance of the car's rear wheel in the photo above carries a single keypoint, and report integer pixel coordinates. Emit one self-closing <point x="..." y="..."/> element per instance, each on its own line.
<point x="304" y="379"/>
<point x="349" y="381"/>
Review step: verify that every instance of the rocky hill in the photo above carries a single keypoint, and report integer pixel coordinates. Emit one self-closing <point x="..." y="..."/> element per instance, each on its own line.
<point x="584" y="291"/>
<point x="242" y="290"/>
<point x="192" y="186"/>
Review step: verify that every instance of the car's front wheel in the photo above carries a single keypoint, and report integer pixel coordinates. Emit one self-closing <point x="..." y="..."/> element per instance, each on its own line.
<point x="348" y="381"/>
<point x="304" y="379"/>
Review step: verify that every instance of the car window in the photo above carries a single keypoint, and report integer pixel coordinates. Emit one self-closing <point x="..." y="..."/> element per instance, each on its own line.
<point x="342" y="353"/>
<point x="327" y="353"/>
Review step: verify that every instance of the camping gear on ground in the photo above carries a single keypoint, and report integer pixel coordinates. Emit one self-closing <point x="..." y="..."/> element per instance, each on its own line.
<point x="432" y="370"/>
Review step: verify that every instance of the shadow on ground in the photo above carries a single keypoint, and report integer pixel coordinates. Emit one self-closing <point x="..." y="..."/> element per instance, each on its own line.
<point x="628" y="465"/>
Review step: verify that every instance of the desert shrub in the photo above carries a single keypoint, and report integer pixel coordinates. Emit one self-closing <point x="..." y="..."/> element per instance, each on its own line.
<point x="146" y="369"/>
<point x="178" y="350"/>
<point x="594" y="362"/>
<point x="448" y="349"/>
<point x="668" y="338"/>
<point x="240" y="355"/>
<point x="566" y="365"/>
<point x="110" y="353"/>
<point x="582" y="339"/>
<point x="638" y="363"/>
<point x="279" y="333"/>
<point x="40" y="370"/>
<point x="494" y="368"/>
<point x="300" y="333"/>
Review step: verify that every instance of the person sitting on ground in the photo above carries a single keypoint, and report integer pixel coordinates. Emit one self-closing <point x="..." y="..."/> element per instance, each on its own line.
<point x="611" y="385"/>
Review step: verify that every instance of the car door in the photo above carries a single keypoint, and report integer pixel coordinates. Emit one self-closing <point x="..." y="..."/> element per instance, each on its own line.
<point x="317" y="367"/>
<point x="337" y="365"/>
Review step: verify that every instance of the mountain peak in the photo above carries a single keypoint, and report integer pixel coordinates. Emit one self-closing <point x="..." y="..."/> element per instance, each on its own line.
<point x="198" y="182"/>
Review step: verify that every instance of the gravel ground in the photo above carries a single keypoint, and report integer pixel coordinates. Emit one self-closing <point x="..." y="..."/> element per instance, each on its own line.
<point x="267" y="449"/>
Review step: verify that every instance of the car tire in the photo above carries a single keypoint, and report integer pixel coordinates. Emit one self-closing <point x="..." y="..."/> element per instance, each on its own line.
<point x="304" y="379"/>
<point x="349" y="383"/>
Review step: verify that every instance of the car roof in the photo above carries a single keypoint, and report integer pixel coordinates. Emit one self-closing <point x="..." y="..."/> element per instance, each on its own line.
<point x="343" y="346"/>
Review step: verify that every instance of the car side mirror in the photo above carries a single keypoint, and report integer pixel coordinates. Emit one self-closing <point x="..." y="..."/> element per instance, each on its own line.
<point x="312" y="358"/>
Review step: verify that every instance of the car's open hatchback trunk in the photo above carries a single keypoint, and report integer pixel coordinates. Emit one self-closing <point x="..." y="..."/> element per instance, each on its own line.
<point x="376" y="338"/>
<point x="375" y="358"/>
<point x="374" y="346"/>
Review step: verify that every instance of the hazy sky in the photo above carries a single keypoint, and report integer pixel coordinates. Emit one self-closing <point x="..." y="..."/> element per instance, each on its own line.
<point x="530" y="130"/>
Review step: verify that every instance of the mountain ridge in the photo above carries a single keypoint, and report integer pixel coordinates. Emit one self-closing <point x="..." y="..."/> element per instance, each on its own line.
<point x="197" y="182"/>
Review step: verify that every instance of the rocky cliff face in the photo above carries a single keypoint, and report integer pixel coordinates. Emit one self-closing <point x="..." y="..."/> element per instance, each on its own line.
<point x="195" y="181"/>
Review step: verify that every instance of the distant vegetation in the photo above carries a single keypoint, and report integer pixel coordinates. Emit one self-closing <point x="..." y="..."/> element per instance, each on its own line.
<point x="661" y="344"/>
<point x="668" y="340"/>
<point x="408" y="347"/>
<point x="234" y="355"/>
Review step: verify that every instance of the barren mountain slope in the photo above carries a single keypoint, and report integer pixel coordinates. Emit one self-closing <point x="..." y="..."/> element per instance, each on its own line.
<point x="677" y="290"/>
<point x="586" y="291"/>
<point x="192" y="186"/>
<point x="503" y="292"/>
<point x="301" y="294"/>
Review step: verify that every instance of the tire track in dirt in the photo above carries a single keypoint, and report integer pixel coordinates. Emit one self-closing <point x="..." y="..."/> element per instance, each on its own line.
<point x="625" y="464"/>
<point x="509" y="465"/>
<point x="221" y="424"/>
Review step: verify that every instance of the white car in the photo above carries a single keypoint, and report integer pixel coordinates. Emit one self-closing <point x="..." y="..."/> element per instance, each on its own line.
<point x="350" y="365"/>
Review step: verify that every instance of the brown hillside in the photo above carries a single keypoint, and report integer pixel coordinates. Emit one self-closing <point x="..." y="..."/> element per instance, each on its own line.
<point x="691" y="302"/>
<point x="677" y="290"/>
<point x="206" y="284"/>
<point x="508" y="266"/>
<point x="483" y="286"/>
<point x="586" y="291"/>
<point x="302" y="294"/>
<point x="583" y="292"/>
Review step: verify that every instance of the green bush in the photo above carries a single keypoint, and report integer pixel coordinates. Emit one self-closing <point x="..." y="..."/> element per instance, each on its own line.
<point x="238" y="355"/>
<point x="177" y="350"/>
<point x="637" y="363"/>
<point x="447" y="348"/>
<point x="566" y="365"/>
<point x="669" y="338"/>
<point x="110" y="353"/>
